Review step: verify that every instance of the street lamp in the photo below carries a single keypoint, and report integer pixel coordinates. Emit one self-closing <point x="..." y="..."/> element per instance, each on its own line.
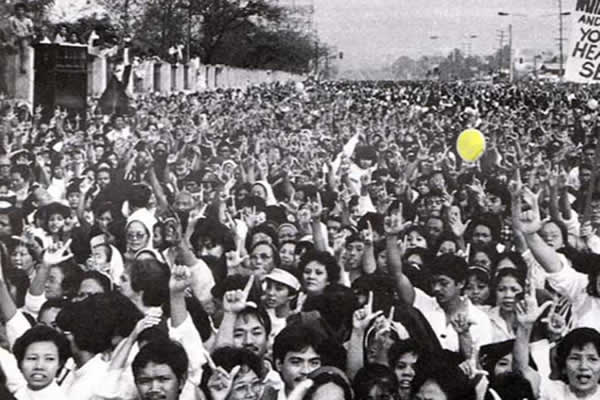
<point x="470" y="43"/>
<point x="510" y="39"/>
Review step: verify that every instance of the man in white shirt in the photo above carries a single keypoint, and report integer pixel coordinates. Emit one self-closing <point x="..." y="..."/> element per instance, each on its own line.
<point x="88" y="327"/>
<point x="448" y="279"/>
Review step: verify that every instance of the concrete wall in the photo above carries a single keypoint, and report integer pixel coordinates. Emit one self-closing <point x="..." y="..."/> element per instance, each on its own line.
<point x="19" y="85"/>
<point x="150" y="76"/>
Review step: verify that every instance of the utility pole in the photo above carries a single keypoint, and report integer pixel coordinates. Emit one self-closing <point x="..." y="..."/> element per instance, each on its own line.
<point x="501" y="47"/>
<point x="510" y="52"/>
<point x="189" y="33"/>
<point x="561" y="37"/>
<point x="560" y="34"/>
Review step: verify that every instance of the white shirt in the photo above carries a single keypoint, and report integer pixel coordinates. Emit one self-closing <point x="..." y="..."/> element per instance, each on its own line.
<point x="573" y="285"/>
<point x="14" y="377"/>
<point x="558" y="390"/>
<point x="481" y="330"/>
<point x="500" y="329"/>
<point x="84" y="382"/>
<point x="52" y="391"/>
<point x="16" y="327"/>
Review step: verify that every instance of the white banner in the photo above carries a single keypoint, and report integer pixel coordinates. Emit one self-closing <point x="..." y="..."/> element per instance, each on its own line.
<point x="583" y="62"/>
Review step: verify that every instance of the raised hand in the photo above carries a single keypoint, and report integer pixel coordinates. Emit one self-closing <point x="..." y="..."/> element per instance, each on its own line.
<point x="456" y="226"/>
<point x="316" y="207"/>
<point x="394" y="224"/>
<point x="556" y="320"/>
<point x="220" y="382"/>
<point x="423" y="153"/>
<point x="477" y="187"/>
<point x="384" y="201"/>
<point x="304" y="216"/>
<point x="363" y="316"/>
<point x="147" y="322"/>
<point x="367" y="235"/>
<point x="251" y="218"/>
<point x="181" y="279"/>
<point x="587" y="230"/>
<point x="461" y="323"/>
<point x="234" y="301"/>
<point x="57" y="253"/>
<point x="527" y="310"/>
<point x="234" y="259"/>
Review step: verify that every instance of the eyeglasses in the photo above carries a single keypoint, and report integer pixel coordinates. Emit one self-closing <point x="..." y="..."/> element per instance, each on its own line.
<point x="253" y="387"/>
<point x="135" y="235"/>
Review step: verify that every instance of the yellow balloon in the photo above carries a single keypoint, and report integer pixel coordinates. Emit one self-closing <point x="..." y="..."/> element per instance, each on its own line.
<point x="470" y="145"/>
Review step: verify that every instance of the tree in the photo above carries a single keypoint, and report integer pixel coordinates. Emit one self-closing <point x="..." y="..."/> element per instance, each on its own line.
<point x="220" y="17"/>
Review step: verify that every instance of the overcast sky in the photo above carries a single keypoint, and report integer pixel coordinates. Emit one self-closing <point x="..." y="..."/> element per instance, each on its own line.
<point x="374" y="32"/>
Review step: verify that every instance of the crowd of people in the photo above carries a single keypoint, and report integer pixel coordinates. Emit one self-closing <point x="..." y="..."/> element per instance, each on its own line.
<point x="290" y="241"/>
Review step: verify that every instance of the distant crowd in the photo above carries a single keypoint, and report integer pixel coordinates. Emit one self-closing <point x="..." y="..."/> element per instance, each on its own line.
<point x="315" y="240"/>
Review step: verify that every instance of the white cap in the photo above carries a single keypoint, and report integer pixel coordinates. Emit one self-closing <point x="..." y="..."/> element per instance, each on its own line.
<point x="284" y="277"/>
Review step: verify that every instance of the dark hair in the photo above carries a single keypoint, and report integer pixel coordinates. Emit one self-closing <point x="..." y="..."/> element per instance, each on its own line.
<point x="152" y="277"/>
<point x="376" y="221"/>
<point x="490" y="252"/>
<point x="104" y="168"/>
<point x="514" y="257"/>
<point x="20" y="5"/>
<point x="72" y="274"/>
<point x="487" y="221"/>
<point x="235" y="282"/>
<point x="325" y="375"/>
<point x="564" y="231"/>
<point x="369" y="376"/>
<point x="260" y="314"/>
<point x="450" y="265"/>
<point x="53" y="303"/>
<point x="448" y="377"/>
<point x="152" y="334"/>
<point x="444" y="237"/>
<point x="267" y="230"/>
<point x="102" y="207"/>
<point x="274" y="250"/>
<point x="22" y="170"/>
<point x="592" y="287"/>
<point x="577" y="338"/>
<point x="230" y="357"/>
<point x="73" y="188"/>
<point x="51" y="209"/>
<point x="295" y="338"/>
<point x="401" y="347"/>
<point x="19" y="279"/>
<point x="503" y="273"/>
<point x="102" y="279"/>
<point x="91" y="321"/>
<point x="420" y="230"/>
<point x="520" y="276"/>
<point x="162" y="352"/>
<point x="499" y="190"/>
<point x="323" y="258"/>
<point x="126" y="314"/>
<point x="213" y="230"/>
<point x="41" y="333"/>
<point x="139" y="196"/>
<point x="335" y="305"/>
<point x="15" y="219"/>
<point x="512" y="386"/>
